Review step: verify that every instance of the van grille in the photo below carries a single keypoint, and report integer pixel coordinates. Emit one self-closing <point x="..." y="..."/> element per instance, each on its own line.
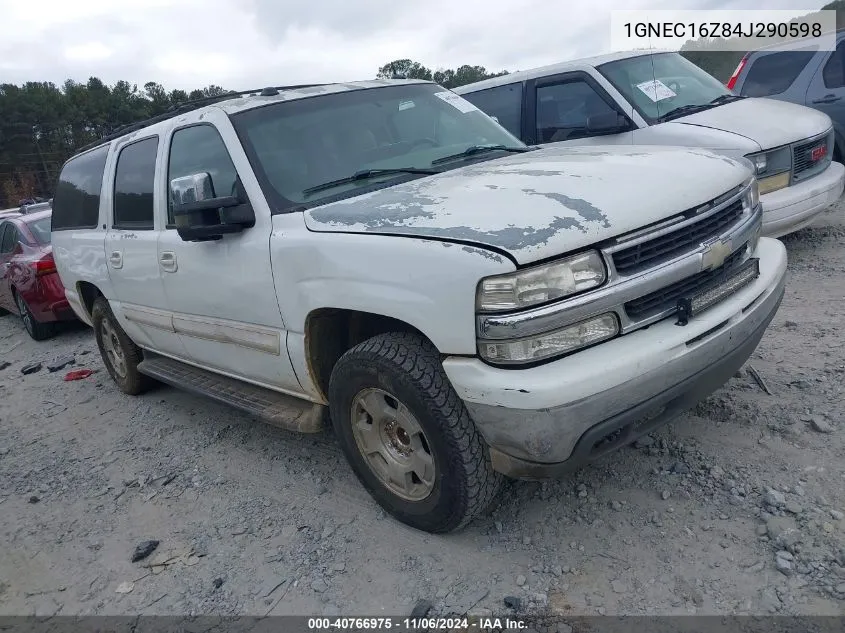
<point x="666" y="246"/>
<point x="667" y="298"/>
<point x="803" y="165"/>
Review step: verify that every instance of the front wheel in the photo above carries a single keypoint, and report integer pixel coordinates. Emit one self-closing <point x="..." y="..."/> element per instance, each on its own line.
<point x="120" y="355"/>
<point x="407" y="435"/>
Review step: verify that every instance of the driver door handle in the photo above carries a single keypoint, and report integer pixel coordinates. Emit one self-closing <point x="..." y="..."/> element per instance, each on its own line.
<point x="167" y="261"/>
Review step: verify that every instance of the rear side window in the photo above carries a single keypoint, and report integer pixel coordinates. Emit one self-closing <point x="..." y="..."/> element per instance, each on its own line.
<point x="133" y="185"/>
<point x="8" y="238"/>
<point x="76" y="203"/>
<point x="502" y="102"/>
<point x="774" y="73"/>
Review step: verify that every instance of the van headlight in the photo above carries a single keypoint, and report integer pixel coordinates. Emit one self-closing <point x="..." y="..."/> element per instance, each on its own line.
<point x="541" y="284"/>
<point x="549" y="344"/>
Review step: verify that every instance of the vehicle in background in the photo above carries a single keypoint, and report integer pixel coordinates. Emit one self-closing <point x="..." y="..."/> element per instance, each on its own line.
<point x="798" y="73"/>
<point x="462" y="305"/>
<point x="649" y="98"/>
<point x="29" y="284"/>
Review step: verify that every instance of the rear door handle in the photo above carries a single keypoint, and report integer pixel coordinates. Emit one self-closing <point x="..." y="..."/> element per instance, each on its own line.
<point x="167" y="261"/>
<point x="116" y="259"/>
<point x="827" y="99"/>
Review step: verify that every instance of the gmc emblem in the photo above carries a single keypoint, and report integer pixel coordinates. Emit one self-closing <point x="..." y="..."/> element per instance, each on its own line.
<point x="817" y="153"/>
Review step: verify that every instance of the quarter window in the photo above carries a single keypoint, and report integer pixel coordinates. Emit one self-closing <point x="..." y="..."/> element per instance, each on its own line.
<point x="200" y="149"/>
<point x="133" y="185"/>
<point x="8" y="238"/>
<point x="563" y="110"/>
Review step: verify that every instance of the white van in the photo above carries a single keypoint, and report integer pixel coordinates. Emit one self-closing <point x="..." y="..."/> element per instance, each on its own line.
<point x="661" y="98"/>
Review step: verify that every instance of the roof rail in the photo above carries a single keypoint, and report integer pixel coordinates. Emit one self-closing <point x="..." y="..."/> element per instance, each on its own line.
<point x="188" y="106"/>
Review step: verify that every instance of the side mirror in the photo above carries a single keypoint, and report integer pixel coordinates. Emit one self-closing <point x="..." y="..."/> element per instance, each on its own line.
<point x="201" y="216"/>
<point x="607" y="123"/>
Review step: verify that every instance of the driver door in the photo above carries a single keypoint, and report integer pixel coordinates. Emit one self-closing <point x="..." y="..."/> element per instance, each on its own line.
<point x="221" y="292"/>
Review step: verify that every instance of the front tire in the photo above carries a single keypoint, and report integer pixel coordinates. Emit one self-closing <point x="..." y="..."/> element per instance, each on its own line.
<point x="407" y="435"/>
<point x="37" y="330"/>
<point x="120" y="355"/>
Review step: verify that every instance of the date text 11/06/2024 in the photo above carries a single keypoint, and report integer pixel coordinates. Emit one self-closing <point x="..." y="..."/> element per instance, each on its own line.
<point x="418" y="624"/>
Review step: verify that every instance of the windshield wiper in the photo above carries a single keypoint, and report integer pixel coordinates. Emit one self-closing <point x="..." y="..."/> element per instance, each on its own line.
<point x="685" y="109"/>
<point x="366" y="174"/>
<point x="479" y="149"/>
<point x="726" y="99"/>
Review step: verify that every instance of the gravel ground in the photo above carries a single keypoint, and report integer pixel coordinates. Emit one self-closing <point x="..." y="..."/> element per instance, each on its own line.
<point x="735" y="508"/>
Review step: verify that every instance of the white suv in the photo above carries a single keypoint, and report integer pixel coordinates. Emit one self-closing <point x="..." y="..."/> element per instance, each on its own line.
<point x="462" y="305"/>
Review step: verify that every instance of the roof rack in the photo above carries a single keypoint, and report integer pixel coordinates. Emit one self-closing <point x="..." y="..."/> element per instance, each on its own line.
<point x="188" y="106"/>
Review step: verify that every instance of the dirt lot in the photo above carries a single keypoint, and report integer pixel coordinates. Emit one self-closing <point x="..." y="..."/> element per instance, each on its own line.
<point x="735" y="508"/>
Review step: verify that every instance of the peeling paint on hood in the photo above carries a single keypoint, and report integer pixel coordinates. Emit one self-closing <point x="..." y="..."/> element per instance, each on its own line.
<point x="542" y="203"/>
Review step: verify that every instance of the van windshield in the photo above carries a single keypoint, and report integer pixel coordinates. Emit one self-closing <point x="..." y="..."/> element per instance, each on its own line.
<point x="664" y="84"/>
<point x="296" y="146"/>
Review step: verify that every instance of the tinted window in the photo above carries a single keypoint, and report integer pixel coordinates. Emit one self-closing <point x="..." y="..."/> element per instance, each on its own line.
<point x="200" y="149"/>
<point x="76" y="204"/>
<point x="133" y="185"/>
<point x="297" y="144"/>
<point x="774" y="73"/>
<point x="502" y="102"/>
<point x="563" y="110"/>
<point x="834" y="69"/>
<point x="8" y="239"/>
<point x="40" y="230"/>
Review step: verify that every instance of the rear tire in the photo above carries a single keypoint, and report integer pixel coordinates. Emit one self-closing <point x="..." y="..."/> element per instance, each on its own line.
<point x="37" y="330"/>
<point x="407" y="435"/>
<point x="120" y="355"/>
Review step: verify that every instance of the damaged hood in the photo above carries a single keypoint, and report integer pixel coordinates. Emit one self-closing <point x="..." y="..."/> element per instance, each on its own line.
<point x="762" y="120"/>
<point x="542" y="203"/>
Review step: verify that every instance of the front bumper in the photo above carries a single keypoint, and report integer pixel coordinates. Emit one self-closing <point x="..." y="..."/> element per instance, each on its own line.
<point x="791" y="208"/>
<point x="547" y="420"/>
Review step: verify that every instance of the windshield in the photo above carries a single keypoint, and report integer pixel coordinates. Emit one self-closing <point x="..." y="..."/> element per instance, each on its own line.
<point x="40" y="229"/>
<point x="295" y="146"/>
<point x="657" y="84"/>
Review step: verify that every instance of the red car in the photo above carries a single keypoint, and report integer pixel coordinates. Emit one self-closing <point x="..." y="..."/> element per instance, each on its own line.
<point x="29" y="284"/>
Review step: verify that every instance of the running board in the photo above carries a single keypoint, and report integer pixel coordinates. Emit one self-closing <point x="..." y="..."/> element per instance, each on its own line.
<point x="272" y="407"/>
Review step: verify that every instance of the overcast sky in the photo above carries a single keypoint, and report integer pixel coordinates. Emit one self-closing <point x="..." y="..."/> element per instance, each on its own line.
<point x="242" y="44"/>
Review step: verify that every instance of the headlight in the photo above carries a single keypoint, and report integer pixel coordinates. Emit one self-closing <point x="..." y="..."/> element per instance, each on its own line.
<point x="553" y="343"/>
<point x="772" y="168"/>
<point x="544" y="283"/>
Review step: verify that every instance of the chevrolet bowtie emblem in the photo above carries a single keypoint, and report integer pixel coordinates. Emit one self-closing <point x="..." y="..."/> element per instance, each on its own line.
<point x="715" y="254"/>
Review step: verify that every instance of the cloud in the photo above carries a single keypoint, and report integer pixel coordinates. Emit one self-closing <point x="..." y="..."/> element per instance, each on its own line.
<point x="248" y="43"/>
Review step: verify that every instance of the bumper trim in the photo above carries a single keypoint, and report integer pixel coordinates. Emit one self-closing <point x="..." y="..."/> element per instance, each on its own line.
<point x="623" y="428"/>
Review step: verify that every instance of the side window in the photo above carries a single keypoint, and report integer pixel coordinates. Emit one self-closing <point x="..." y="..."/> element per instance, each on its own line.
<point x="133" y="185"/>
<point x="774" y="73"/>
<point x="502" y="102"/>
<point x="200" y="149"/>
<point x="76" y="203"/>
<point x="563" y="110"/>
<point x="8" y="238"/>
<point x="834" y="70"/>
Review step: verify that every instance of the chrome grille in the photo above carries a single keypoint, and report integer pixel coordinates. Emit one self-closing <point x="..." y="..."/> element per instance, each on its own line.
<point x="667" y="298"/>
<point x="664" y="247"/>
<point x="803" y="165"/>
